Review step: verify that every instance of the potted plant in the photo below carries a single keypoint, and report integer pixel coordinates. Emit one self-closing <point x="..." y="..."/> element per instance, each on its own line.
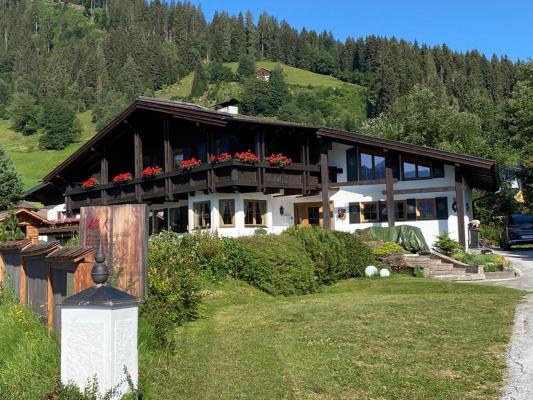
<point x="246" y="157"/>
<point x="187" y="165"/>
<point x="89" y="184"/>
<point x="221" y="158"/>
<point x="152" y="172"/>
<point x="279" y="160"/>
<point x="123" y="178"/>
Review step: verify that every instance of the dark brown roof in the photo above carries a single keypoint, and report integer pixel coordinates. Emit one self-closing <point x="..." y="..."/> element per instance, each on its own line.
<point x="18" y="211"/>
<point x="15" y="244"/>
<point x="70" y="254"/>
<point x="187" y="111"/>
<point x="41" y="248"/>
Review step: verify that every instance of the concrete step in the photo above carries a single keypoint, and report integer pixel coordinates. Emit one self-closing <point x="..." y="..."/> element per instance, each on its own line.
<point x="459" y="277"/>
<point x="456" y="271"/>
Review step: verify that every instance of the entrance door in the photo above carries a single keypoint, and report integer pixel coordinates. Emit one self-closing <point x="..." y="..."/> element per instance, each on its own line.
<point x="309" y="214"/>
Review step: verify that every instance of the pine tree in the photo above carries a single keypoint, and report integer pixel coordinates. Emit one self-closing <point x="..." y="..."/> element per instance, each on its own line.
<point x="10" y="181"/>
<point x="246" y="68"/>
<point x="278" y="91"/>
<point x="60" y="125"/>
<point x="10" y="228"/>
<point x="199" y="83"/>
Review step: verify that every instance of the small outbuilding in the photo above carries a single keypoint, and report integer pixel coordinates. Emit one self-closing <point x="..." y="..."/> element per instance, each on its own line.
<point x="263" y="73"/>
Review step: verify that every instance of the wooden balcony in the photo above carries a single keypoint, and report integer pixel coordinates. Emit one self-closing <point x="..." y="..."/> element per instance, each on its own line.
<point x="227" y="176"/>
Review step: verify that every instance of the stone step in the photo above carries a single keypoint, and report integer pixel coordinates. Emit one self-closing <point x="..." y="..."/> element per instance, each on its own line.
<point x="454" y="272"/>
<point x="459" y="277"/>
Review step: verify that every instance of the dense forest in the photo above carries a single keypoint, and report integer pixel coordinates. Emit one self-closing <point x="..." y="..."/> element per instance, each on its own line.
<point x="60" y="58"/>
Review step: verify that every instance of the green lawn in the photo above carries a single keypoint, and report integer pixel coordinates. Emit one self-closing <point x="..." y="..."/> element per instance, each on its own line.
<point x="401" y="338"/>
<point x="31" y="162"/>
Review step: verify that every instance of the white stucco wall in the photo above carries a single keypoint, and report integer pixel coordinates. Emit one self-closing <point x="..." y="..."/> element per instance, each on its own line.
<point x="99" y="342"/>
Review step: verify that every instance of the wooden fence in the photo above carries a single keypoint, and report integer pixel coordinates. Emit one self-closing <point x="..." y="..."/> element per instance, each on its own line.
<point x="11" y="264"/>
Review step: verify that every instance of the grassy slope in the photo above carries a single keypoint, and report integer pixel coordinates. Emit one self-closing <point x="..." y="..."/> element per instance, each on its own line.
<point x="33" y="163"/>
<point x="402" y="338"/>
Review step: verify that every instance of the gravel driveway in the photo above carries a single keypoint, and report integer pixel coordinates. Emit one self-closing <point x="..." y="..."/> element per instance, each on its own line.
<point x="520" y="353"/>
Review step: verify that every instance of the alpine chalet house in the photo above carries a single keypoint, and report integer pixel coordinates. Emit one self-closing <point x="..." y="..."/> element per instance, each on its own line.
<point x="202" y="169"/>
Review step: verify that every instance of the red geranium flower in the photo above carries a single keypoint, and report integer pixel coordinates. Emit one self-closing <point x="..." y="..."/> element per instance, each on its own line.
<point x="222" y="157"/>
<point x="152" y="172"/>
<point x="89" y="184"/>
<point x="190" y="164"/>
<point x="123" y="178"/>
<point x="246" y="157"/>
<point x="279" y="160"/>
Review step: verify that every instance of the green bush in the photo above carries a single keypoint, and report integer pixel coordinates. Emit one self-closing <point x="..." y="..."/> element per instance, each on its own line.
<point x="418" y="272"/>
<point x="326" y="251"/>
<point x="358" y="254"/>
<point x="387" y="249"/>
<point x="447" y="245"/>
<point x="277" y="265"/>
<point x="29" y="354"/>
<point x="173" y="282"/>
<point x="490" y="235"/>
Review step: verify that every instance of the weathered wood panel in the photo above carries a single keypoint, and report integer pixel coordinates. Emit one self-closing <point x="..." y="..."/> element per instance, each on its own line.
<point x="12" y="262"/>
<point x="62" y="281"/>
<point x="122" y="230"/>
<point x="36" y="269"/>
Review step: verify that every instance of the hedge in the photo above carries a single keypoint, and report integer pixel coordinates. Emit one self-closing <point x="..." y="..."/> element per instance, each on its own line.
<point x="278" y="265"/>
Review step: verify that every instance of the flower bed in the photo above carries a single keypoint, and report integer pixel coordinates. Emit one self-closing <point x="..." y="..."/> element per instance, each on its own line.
<point x="123" y="178"/>
<point x="279" y="160"/>
<point x="246" y="157"/>
<point x="221" y="158"/>
<point x="89" y="184"/>
<point x="187" y="165"/>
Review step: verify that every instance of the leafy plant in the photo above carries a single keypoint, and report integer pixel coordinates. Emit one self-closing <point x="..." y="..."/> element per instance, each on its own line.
<point x="418" y="271"/>
<point x="387" y="249"/>
<point x="277" y="265"/>
<point x="358" y="254"/>
<point x="447" y="245"/>
<point x="326" y="251"/>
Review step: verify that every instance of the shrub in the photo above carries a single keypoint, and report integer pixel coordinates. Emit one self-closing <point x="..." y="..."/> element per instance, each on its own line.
<point x="173" y="282"/>
<point x="277" y="265"/>
<point x="490" y="235"/>
<point x="447" y="245"/>
<point x="387" y="249"/>
<point x="260" y="231"/>
<point x="358" y="254"/>
<point x="395" y="262"/>
<point x="418" y="272"/>
<point x="326" y="251"/>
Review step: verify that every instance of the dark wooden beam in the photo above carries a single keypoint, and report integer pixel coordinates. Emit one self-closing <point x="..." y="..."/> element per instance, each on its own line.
<point x="389" y="187"/>
<point x="459" y="199"/>
<point x="423" y="190"/>
<point x="169" y="162"/>
<point x="104" y="176"/>
<point x="324" y="173"/>
<point x="138" y="162"/>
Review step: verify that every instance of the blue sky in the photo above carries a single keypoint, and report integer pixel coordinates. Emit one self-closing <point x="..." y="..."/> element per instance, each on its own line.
<point x="501" y="27"/>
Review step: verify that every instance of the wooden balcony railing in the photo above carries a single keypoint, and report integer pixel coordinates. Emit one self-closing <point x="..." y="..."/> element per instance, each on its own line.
<point x="207" y="177"/>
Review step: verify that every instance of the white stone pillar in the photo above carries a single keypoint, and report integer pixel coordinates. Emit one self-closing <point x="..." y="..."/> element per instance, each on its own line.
<point x="99" y="337"/>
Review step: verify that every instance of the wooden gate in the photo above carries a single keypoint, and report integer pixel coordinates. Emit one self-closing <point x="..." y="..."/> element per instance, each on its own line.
<point x="69" y="273"/>
<point x="11" y="264"/>
<point x="34" y="277"/>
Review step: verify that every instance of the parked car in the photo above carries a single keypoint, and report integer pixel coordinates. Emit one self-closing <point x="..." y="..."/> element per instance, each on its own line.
<point x="517" y="229"/>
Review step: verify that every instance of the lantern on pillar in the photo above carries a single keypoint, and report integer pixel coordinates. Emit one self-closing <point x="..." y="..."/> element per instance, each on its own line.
<point x="99" y="335"/>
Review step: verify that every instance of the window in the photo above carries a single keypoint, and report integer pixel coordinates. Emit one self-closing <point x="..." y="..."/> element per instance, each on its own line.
<point x="202" y="215"/>
<point x="313" y="214"/>
<point x="369" y="212"/>
<point x="160" y="218"/>
<point x="425" y="209"/>
<point x="226" y="209"/>
<point x="254" y="212"/>
<point x="371" y="166"/>
<point x="400" y="210"/>
<point x="413" y="169"/>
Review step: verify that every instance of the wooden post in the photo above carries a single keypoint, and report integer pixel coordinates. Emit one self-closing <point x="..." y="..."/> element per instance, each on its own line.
<point x="460" y="204"/>
<point x="138" y="159"/>
<point x="324" y="171"/>
<point x="51" y="310"/>
<point x="169" y="162"/>
<point x="389" y="187"/>
<point x="104" y="176"/>
<point x="258" y="150"/>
